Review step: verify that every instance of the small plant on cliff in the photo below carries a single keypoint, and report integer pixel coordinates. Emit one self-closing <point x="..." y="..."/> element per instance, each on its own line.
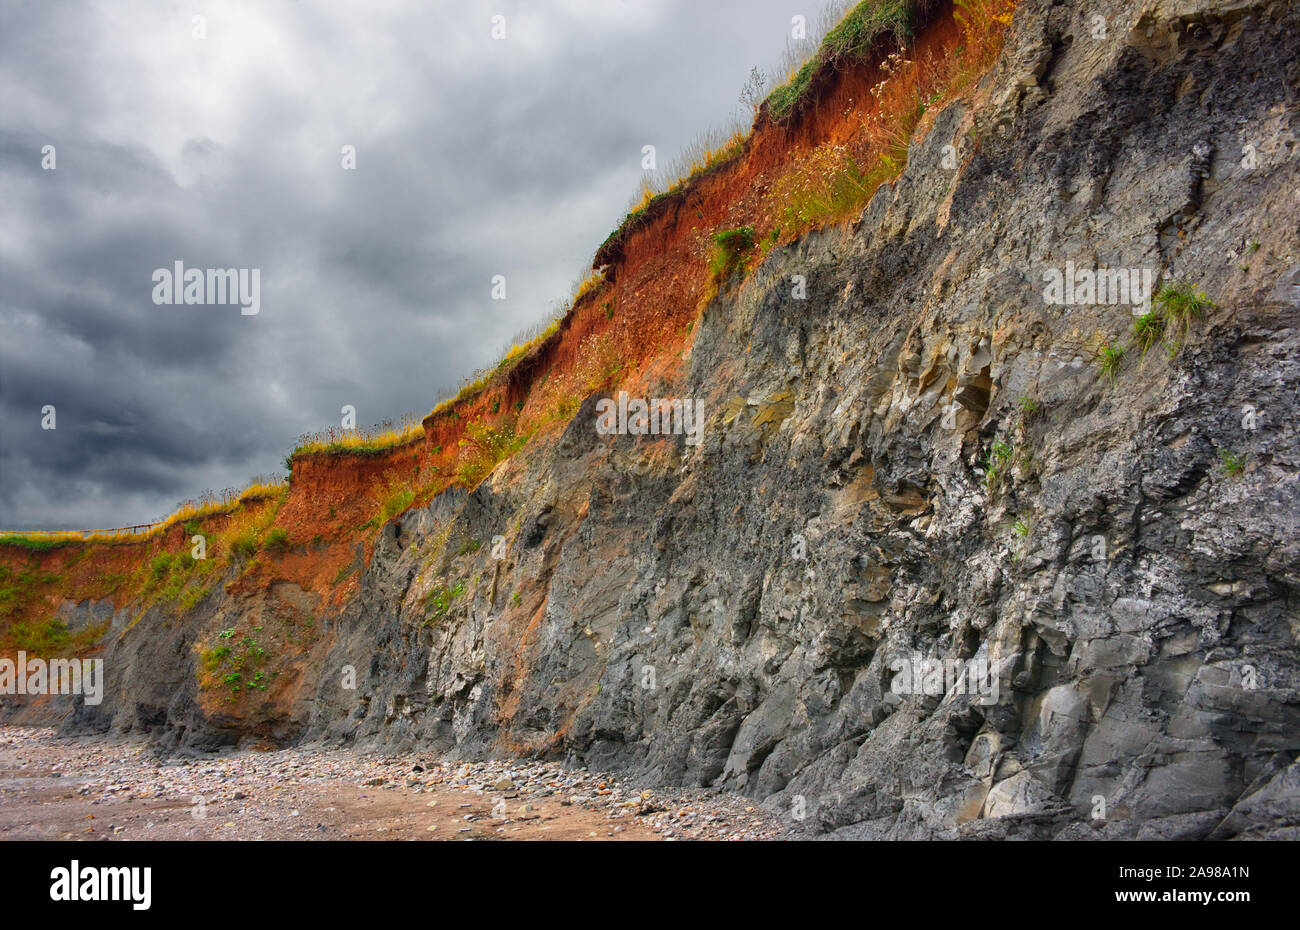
<point x="1230" y="464"/>
<point x="233" y="665"/>
<point x="439" y="599"/>
<point x="729" y="250"/>
<point x="211" y="659"/>
<point x="1147" y="330"/>
<point x="1180" y="303"/>
<point x="193" y="596"/>
<point x="1108" y="359"/>
<point x="751" y="95"/>
<point x="244" y="544"/>
<point x="398" y="500"/>
<point x="995" y="463"/>
<point x="160" y="567"/>
<point x="824" y="187"/>
<point x="482" y="447"/>
<point x="277" y="539"/>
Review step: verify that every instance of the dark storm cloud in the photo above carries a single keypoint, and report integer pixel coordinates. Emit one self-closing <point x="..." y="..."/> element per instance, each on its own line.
<point x="475" y="157"/>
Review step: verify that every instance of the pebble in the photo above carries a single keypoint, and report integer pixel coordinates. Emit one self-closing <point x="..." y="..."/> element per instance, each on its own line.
<point x="269" y="781"/>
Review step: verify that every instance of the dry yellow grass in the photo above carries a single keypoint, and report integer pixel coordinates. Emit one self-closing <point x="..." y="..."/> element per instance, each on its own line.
<point x="370" y="440"/>
<point x="191" y="510"/>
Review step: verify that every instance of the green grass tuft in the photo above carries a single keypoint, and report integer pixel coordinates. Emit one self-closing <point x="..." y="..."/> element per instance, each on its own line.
<point x="996" y="461"/>
<point x="439" y="600"/>
<point x="1181" y="303"/>
<point x="49" y="638"/>
<point x="245" y="544"/>
<point x="1147" y="330"/>
<point x="1230" y="464"/>
<point x="729" y="250"/>
<point x="1109" y="358"/>
<point x="277" y="540"/>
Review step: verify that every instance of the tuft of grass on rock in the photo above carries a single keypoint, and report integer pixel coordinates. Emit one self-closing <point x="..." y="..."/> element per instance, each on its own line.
<point x="1147" y="330"/>
<point x="996" y="462"/>
<point x="1180" y="303"/>
<point x="1109" y="358"/>
<point x="730" y="247"/>
<point x="1230" y="464"/>
<point x="439" y="600"/>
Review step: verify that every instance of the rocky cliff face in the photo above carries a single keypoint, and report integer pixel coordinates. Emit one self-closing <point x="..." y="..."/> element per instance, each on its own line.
<point x="912" y="461"/>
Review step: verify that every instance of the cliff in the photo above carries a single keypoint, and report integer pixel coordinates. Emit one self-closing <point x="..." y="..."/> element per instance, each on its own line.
<point x="916" y="456"/>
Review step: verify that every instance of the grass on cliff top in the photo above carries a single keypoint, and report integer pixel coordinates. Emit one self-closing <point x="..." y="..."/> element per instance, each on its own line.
<point x="848" y="36"/>
<point x="228" y="501"/>
<point x="705" y="154"/>
<point x="520" y="346"/>
<point x="369" y="440"/>
<point x="854" y="37"/>
<point x="36" y="541"/>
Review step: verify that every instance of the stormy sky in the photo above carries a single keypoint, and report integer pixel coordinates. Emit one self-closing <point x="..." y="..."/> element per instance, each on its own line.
<point x="212" y="133"/>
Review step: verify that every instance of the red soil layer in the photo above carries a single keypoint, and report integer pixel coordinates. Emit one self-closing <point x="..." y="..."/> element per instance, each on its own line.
<point x="114" y="571"/>
<point x="89" y="569"/>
